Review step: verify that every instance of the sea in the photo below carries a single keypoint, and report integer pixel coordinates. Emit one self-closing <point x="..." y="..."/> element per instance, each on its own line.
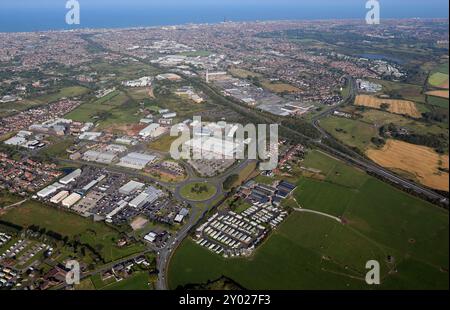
<point x="27" y="18"/>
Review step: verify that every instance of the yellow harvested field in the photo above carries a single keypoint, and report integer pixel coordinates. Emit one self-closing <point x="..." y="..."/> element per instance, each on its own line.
<point x="420" y="161"/>
<point x="395" y="106"/>
<point x="438" y="93"/>
<point x="280" y="87"/>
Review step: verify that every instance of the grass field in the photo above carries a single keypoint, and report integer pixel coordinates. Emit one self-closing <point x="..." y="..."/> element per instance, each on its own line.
<point x="57" y="149"/>
<point x="85" y="285"/>
<point x="71" y="91"/>
<point x="89" y="110"/>
<point x="439" y="80"/>
<point x="378" y="118"/>
<point x="196" y="54"/>
<point x="66" y="92"/>
<point x="124" y="71"/>
<point x="245" y="173"/>
<point x="401" y="90"/>
<point x="98" y="235"/>
<point x="309" y="251"/>
<point x="438" y="101"/>
<point x="190" y="192"/>
<point x="403" y="107"/>
<point x="138" y="281"/>
<point x="351" y="132"/>
<point x="419" y="162"/>
<point x="276" y="87"/>
<point x="112" y="111"/>
<point x="7" y="199"/>
<point x="162" y="144"/>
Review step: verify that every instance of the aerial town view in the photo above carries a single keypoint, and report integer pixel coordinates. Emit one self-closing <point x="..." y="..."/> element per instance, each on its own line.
<point x="99" y="190"/>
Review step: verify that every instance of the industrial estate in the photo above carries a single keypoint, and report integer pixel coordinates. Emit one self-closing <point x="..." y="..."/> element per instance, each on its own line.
<point x="86" y="171"/>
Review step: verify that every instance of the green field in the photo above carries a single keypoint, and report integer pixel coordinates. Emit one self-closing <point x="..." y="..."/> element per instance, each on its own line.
<point x="334" y="171"/>
<point x="351" y="132"/>
<point x="196" y="54"/>
<point x="87" y="111"/>
<point x="438" y="101"/>
<point x="162" y="144"/>
<point x="137" y="281"/>
<point x="7" y="199"/>
<point x="68" y="92"/>
<point x="116" y="108"/>
<point x="57" y="149"/>
<point x="380" y="118"/>
<point x="310" y="251"/>
<point x="244" y="174"/>
<point x="124" y="71"/>
<point x="184" y="107"/>
<point x="401" y="90"/>
<point x="98" y="235"/>
<point x="437" y="79"/>
<point x="198" y="191"/>
<point x="358" y="132"/>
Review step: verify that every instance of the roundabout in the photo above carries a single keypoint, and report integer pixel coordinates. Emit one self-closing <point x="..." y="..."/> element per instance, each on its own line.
<point x="198" y="191"/>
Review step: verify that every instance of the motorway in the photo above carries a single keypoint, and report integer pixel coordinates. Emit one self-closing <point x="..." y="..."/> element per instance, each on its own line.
<point x="357" y="160"/>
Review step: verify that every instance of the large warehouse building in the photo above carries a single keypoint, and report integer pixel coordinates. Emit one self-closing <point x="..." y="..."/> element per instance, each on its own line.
<point x="136" y="160"/>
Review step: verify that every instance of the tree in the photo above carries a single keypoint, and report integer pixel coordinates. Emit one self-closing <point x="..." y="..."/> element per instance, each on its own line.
<point x="230" y="181"/>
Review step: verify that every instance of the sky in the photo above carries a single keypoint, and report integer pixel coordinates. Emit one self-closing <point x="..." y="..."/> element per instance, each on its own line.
<point x="30" y="15"/>
<point x="407" y="5"/>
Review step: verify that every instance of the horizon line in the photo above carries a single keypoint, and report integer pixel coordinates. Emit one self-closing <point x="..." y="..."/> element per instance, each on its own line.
<point x="218" y="23"/>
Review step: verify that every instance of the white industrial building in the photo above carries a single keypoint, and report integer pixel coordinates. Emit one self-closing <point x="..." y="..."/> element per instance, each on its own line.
<point x="51" y="189"/>
<point x="126" y="140"/>
<point x="136" y="160"/>
<point x="213" y="148"/>
<point x="170" y="115"/>
<point x="150" y="195"/>
<point x="130" y="187"/>
<point x="99" y="157"/>
<point x="70" y="177"/>
<point x="150" y="237"/>
<point x="71" y="200"/>
<point x="59" y="197"/>
<point x="16" y="141"/>
<point x="142" y="82"/>
<point x="90" y="136"/>
<point x="149" y="130"/>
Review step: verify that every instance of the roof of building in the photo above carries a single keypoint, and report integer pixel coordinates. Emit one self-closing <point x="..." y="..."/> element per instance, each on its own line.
<point x="71" y="176"/>
<point x="131" y="187"/>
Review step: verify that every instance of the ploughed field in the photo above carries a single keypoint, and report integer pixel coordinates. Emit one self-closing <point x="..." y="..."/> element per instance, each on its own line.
<point x="396" y="106"/>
